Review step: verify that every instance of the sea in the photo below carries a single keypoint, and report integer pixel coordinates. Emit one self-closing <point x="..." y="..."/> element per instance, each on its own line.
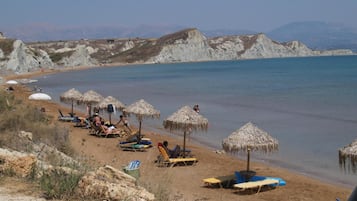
<point x="309" y="104"/>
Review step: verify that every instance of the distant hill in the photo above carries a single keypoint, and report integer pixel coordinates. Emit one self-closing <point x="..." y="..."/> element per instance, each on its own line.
<point x="227" y="32"/>
<point x="317" y="35"/>
<point x="188" y="45"/>
<point x="46" y="32"/>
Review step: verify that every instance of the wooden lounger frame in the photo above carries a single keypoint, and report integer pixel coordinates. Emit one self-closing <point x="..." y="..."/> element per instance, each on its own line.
<point x="221" y="181"/>
<point x="256" y="184"/>
<point x="170" y="162"/>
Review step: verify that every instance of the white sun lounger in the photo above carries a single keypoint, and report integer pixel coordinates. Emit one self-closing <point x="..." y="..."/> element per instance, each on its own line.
<point x="256" y="184"/>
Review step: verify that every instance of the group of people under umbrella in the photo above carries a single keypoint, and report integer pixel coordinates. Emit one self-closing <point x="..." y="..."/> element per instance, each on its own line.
<point x="247" y="138"/>
<point x="186" y="119"/>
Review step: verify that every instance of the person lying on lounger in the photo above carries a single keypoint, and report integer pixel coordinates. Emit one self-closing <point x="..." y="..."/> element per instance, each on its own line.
<point x="108" y="130"/>
<point x="81" y="122"/>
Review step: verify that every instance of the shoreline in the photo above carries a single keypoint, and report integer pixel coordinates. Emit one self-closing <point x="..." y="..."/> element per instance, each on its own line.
<point x="176" y="138"/>
<point x="288" y="167"/>
<point x="271" y="163"/>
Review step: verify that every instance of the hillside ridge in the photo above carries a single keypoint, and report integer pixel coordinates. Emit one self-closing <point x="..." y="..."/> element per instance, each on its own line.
<point x="188" y="45"/>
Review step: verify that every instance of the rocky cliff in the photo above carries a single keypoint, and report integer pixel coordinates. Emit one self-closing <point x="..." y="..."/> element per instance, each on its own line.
<point x="188" y="45"/>
<point x="107" y="183"/>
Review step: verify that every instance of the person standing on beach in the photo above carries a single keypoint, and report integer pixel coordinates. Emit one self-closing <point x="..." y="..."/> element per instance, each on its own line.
<point x="125" y="122"/>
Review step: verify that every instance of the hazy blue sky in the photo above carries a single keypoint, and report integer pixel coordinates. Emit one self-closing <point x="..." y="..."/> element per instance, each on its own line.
<point x="256" y="15"/>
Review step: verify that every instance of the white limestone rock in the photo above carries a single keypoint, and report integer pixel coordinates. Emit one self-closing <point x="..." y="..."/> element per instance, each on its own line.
<point x="128" y="45"/>
<point x="80" y="57"/>
<point x="188" y="48"/>
<point x="24" y="59"/>
<point x="2" y="56"/>
<point x="20" y="164"/>
<point x="111" y="184"/>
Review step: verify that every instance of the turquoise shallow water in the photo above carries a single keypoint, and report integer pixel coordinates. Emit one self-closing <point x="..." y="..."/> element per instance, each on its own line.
<point x="308" y="104"/>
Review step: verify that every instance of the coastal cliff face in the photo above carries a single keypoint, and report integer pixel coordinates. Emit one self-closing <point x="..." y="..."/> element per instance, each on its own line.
<point x="22" y="58"/>
<point x="188" y="45"/>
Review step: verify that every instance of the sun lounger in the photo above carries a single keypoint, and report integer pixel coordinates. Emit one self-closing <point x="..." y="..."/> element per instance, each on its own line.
<point x="134" y="147"/>
<point x="144" y="141"/>
<point x="167" y="161"/>
<point x="239" y="179"/>
<point x="65" y="118"/>
<point x="282" y="182"/>
<point x="99" y="132"/>
<point x="144" y="144"/>
<point x="81" y="122"/>
<point x="256" y="184"/>
<point x="221" y="181"/>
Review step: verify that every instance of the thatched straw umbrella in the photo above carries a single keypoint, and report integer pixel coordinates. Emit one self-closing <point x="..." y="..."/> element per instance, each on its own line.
<point x="188" y="120"/>
<point x="141" y="109"/>
<point x="113" y="101"/>
<point x="349" y="152"/>
<point x="250" y="137"/>
<point x="91" y="98"/>
<point x="70" y="96"/>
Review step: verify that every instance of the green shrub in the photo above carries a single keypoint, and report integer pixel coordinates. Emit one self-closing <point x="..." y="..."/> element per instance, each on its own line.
<point x="8" y="172"/>
<point x="5" y="102"/>
<point x="160" y="189"/>
<point x="59" y="185"/>
<point x="16" y="117"/>
<point x="7" y="46"/>
<point x="56" y="57"/>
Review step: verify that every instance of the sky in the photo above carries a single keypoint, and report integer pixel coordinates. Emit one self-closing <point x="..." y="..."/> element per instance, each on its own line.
<point x="255" y="15"/>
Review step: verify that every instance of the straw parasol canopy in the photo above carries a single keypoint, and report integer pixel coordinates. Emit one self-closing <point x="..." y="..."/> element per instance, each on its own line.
<point x="348" y="153"/>
<point x="142" y="109"/>
<point x="186" y="120"/>
<point x="250" y="137"/>
<point x="113" y="101"/>
<point x="91" y="98"/>
<point x="70" y="96"/>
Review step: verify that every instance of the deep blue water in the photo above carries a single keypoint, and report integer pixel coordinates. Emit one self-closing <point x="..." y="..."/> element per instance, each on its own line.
<point x="308" y="104"/>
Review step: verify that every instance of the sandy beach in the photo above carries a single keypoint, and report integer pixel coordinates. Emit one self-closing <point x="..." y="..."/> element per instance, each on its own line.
<point x="185" y="182"/>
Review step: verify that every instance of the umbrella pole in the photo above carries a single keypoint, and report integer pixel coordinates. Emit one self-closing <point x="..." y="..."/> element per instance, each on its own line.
<point x="110" y="118"/>
<point x="248" y="159"/>
<point x="89" y="110"/>
<point x="140" y="130"/>
<point x="184" y="144"/>
<point x="72" y="109"/>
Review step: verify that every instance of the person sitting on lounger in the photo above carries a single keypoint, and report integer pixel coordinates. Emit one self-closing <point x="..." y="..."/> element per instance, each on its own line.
<point x="97" y="120"/>
<point x="174" y="153"/>
<point x="99" y="123"/>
